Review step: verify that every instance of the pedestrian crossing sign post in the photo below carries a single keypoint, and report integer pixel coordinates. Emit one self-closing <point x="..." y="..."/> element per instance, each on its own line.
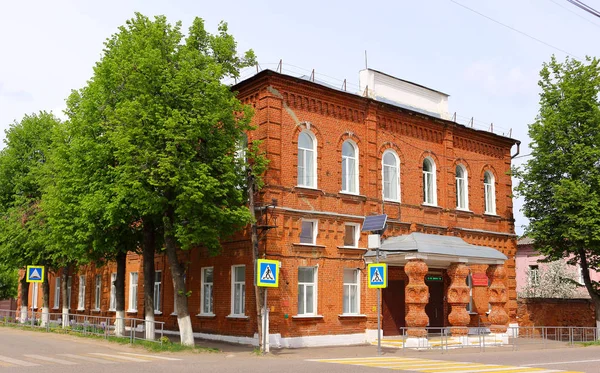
<point x="378" y="278"/>
<point x="35" y="273"/>
<point x="267" y="273"/>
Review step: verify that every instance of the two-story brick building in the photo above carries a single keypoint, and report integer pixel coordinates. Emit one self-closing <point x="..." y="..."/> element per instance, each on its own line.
<point x="336" y="157"/>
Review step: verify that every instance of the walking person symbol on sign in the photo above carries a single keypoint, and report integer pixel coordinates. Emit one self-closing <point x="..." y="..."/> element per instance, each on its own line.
<point x="377" y="275"/>
<point x="267" y="273"/>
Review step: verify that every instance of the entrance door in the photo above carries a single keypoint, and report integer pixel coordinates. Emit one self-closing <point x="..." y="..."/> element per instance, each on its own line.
<point x="393" y="307"/>
<point x="435" y="307"/>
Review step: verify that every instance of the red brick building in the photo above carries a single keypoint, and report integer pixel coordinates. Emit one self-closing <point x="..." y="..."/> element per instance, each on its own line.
<point x="336" y="157"/>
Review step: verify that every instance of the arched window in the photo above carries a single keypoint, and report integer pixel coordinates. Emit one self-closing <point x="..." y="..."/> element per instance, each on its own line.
<point x="489" y="193"/>
<point x="391" y="176"/>
<point x="429" y="187"/>
<point x="349" y="167"/>
<point x="462" y="188"/>
<point x="307" y="160"/>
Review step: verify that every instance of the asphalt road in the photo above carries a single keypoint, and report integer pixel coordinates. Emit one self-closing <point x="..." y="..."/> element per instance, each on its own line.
<point x="27" y="352"/>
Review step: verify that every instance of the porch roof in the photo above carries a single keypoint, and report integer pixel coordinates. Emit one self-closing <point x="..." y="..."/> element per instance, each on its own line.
<point x="438" y="250"/>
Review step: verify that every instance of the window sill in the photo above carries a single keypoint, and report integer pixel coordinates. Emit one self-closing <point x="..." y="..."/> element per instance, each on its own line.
<point x="307" y="317"/>
<point x="157" y="312"/>
<point x="352" y="316"/>
<point x="206" y="315"/>
<point x="54" y="308"/>
<point x="491" y="215"/>
<point x="80" y="309"/>
<point x="96" y="310"/>
<point x="173" y="314"/>
<point x="352" y="196"/>
<point x="306" y="191"/>
<point x="131" y="311"/>
<point x="431" y="206"/>
<point x="352" y="248"/>
<point x="113" y="310"/>
<point x="237" y="317"/>
<point x="391" y="200"/>
<point x="463" y="211"/>
<point x="308" y="246"/>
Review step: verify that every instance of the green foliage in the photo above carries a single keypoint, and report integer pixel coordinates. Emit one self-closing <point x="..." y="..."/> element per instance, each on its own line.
<point x="561" y="182"/>
<point x="9" y="281"/>
<point x="556" y="280"/>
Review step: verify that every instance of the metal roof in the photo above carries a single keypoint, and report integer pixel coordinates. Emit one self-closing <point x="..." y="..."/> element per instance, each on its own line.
<point x="434" y="244"/>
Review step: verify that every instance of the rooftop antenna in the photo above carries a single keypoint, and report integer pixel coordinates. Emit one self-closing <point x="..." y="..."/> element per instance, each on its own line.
<point x="366" y="64"/>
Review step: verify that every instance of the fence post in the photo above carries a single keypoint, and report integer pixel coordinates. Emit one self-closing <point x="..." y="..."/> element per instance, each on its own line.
<point x="131" y="327"/>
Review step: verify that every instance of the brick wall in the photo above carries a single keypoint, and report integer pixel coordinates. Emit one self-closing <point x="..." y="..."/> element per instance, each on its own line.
<point x="556" y="312"/>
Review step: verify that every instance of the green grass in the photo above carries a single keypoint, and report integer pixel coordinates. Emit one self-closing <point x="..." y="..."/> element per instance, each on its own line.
<point x="166" y="346"/>
<point x="593" y="343"/>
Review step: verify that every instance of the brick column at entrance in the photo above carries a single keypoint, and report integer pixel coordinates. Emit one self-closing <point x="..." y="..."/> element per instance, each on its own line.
<point x="498" y="317"/>
<point x="417" y="296"/>
<point x="458" y="298"/>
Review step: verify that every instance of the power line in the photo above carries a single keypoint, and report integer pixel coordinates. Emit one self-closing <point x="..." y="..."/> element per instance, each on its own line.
<point x="575" y="13"/>
<point x="585" y="7"/>
<point x="515" y="30"/>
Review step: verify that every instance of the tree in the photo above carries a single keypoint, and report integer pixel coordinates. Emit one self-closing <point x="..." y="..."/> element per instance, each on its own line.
<point x="556" y="280"/>
<point x="9" y="278"/>
<point x="24" y="232"/>
<point x="561" y="181"/>
<point x="173" y="129"/>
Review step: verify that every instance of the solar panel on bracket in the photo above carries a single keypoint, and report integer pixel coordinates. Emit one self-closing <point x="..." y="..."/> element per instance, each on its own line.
<point x="374" y="223"/>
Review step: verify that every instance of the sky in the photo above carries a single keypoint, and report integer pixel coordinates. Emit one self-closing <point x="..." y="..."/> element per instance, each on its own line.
<point x="48" y="48"/>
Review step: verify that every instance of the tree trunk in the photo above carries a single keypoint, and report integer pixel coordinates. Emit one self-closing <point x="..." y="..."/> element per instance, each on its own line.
<point x="254" y="241"/>
<point x="24" y="299"/>
<point x="64" y="278"/>
<point x="45" y="299"/>
<point x="120" y="294"/>
<point x="177" y="273"/>
<point x="149" y="271"/>
<point x="590" y="288"/>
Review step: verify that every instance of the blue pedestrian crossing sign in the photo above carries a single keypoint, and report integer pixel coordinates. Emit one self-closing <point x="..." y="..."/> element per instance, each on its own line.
<point x="267" y="273"/>
<point x="35" y="273"/>
<point x="377" y="275"/>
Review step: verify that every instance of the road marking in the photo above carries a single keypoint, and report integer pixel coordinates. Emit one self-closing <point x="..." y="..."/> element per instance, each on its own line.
<point x="127" y="358"/>
<point x="18" y="362"/>
<point x="50" y="359"/>
<point x="436" y="366"/>
<point x="87" y="358"/>
<point x="563" y="362"/>
<point x="150" y="356"/>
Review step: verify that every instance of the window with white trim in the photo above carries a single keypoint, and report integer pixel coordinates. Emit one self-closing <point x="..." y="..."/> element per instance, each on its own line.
<point x="307" y="160"/>
<point x="490" y="193"/>
<point x="238" y="290"/>
<point x="462" y="188"/>
<point x="157" y="289"/>
<point x="307" y="291"/>
<point x="534" y="275"/>
<point x="429" y="182"/>
<point x="349" y="167"/>
<point x="113" y="292"/>
<point x="133" y="289"/>
<point x="97" y="292"/>
<point x="308" y="232"/>
<point x="34" y="295"/>
<point x="351" y="234"/>
<point x="69" y="291"/>
<point x="81" y="294"/>
<point x="391" y="176"/>
<point x="206" y="291"/>
<point x="351" y="303"/>
<point x="56" y="292"/>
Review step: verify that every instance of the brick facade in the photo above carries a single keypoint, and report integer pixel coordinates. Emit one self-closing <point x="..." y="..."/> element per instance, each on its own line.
<point x="285" y="107"/>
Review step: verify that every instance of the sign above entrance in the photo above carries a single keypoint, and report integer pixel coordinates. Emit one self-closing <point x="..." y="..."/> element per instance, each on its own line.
<point x="377" y="273"/>
<point x="267" y="273"/>
<point x="35" y="273"/>
<point x="374" y="223"/>
<point x="436" y="278"/>
<point x="479" y="279"/>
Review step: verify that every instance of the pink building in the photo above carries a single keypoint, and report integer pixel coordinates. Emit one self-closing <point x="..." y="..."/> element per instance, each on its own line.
<point x="528" y="268"/>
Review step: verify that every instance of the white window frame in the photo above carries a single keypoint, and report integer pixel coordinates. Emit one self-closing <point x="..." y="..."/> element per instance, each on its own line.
<point x="81" y="294"/>
<point x="206" y="290"/>
<point x="241" y="298"/>
<point x="315" y="231"/>
<point x="34" y="295"/>
<point x="533" y="275"/>
<point x="347" y="291"/>
<point x="349" y="173"/>
<point x="304" y="154"/>
<point x="462" y="188"/>
<point x="304" y="286"/>
<point x="97" y="292"/>
<point x="56" y="292"/>
<point x="133" y="290"/>
<point x="112" y="306"/>
<point x="395" y="181"/>
<point x="156" y="302"/>
<point x="429" y="183"/>
<point x="489" y="193"/>
<point x="69" y="291"/>
<point x="356" y="234"/>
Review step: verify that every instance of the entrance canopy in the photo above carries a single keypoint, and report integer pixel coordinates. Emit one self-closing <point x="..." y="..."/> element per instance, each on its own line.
<point x="436" y="250"/>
